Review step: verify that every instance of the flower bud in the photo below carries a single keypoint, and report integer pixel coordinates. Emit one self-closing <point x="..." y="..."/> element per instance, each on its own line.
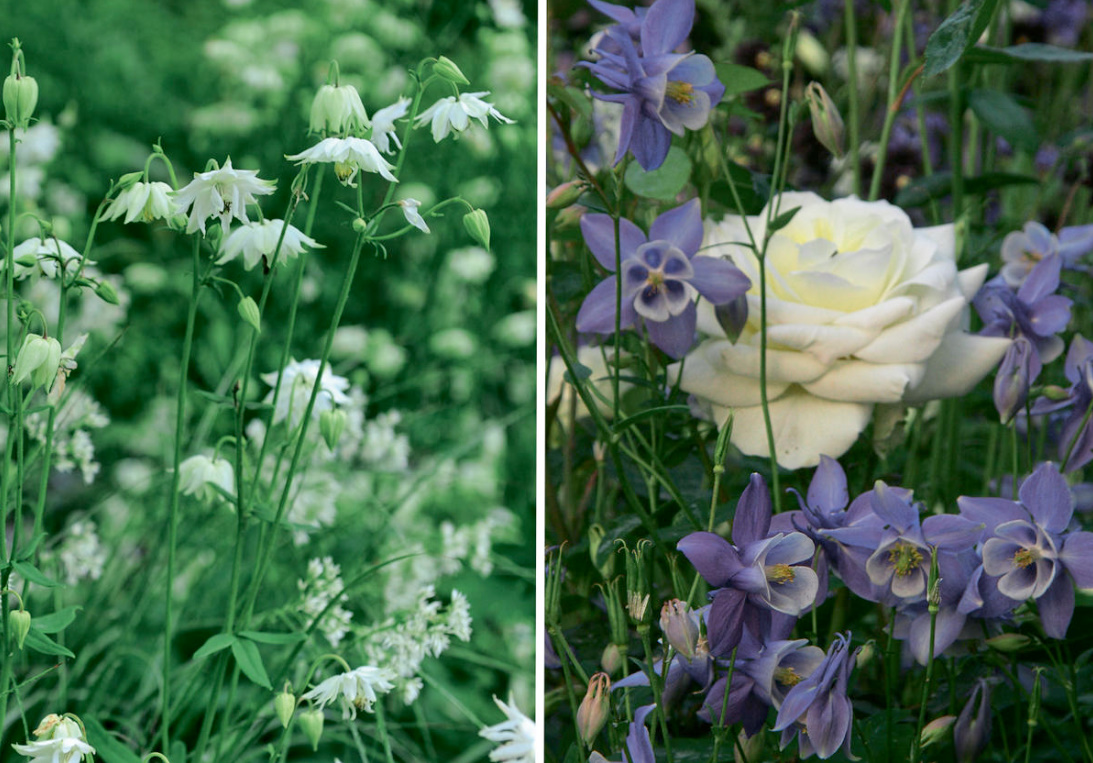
<point x="612" y="659"/>
<point x="311" y="721"/>
<point x="570" y="217"/>
<point x="20" y="627"/>
<point x="595" y="707"/>
<point x="1008" y="642"/>
<point x="107" y="293"/>
<point x="827" y="123"/>
<point x="248" y="311"/>
<point x="447" y="69"/>
<point x="748" y="748"/>
<point x="20" y="98"/>
<point x="1011" y="383"/>
<point x="565" y="194"/>
<point x="331" y="426"/>
<point x="284" y="704"/>
<point x="732" y="316"/>
<point x="679" y="627"/>
<point x="360" y="225"/>
<point x="866" y="652"/>
<point x="337" y="109"/>
<point x="937" y="729"/>
<point x="1054" y="392"/>
<point x="478" y="226"/>
<point x="38" y="359"/>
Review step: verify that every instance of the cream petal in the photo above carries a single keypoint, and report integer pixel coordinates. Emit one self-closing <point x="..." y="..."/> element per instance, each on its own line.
<point x="826" y="343"/>
<point x="944" y="236"/>
<point x="880" y="315"/>
<point x="915" y="340"/>
<point x="857" y="382"/>
<point x="937" y="277"/>
<point x="805" y="428"/>
<point x="705" y="375"/>
<point x="780" y="311"/>
<point x="782" y="365"/>
<point x="958" y="364"/>
<point x="971" y="280"/>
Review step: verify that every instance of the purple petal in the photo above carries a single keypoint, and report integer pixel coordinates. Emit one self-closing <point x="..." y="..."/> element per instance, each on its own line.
<point x="893" y="509"/>
<point x="619" y="13"/>
<point x="1077" y="558"/>
<point x="1050" y="315"/>
<point x="947" y="628"/>
<point x="1057" y="607"/>
<point x="599" y="234"/>
<point x="677" y="334"/>
<point x="666" y="26"/>
<point x="1042" y="280"/>
<point x="681" y="226"/>
<point x="998" y="555"/>
<point x="713" y="556"/>
<point x="990" y="511"/>
<point x="649" y="142"/>
<point x="718" y="281"/>
<point x="970" y="735"/>
<point x="631" y="117"/>
<point x="753" y="512"/>
<point x="1081" y="350"/>
<point x="951" y="532"/>
<point x="725" y="622"/>
<point x="597" y="313"/>
<point x="1047" y="497"/>
<point x="828" y="492"/>
<point x="794" y="548"/>
<point x="828" y="723"/>
<point x="638" y="745"/>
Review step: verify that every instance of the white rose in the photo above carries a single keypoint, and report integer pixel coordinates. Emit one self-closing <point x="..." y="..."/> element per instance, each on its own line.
<point x="862" y="309"/>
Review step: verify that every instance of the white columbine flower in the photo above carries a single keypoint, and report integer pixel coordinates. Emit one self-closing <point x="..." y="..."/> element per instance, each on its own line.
<point x="258" y="239"/>
<point x="143" y="201"/>
<point x="60" y="740"/>
<point x="453" y="113"/>
<point x="337" y="109"/>
<point x="383" y="125"/>
<point x="348" y="155"/>
<point x="199" y="475"/>
<point x="358" y="689"/>
<point x="409" y="209"/>
<point x="47" y="254"/>
<point x="514" y="736"/>
<point x="298" y="379"/>
<point x="223" y="193"/>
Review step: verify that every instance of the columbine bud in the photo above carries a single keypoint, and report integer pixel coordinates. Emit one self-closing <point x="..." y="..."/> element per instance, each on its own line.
<point x="827" y="123"/>
<point x="360" y="225"/>
<point x="937" y="729"/>
<point x="565" y="194"/>
<point x="748" y="747"/>
<point x="1054" y="392"/>
<point x="107" y="293"/>
<point x="338" y="109"/>
<point x="592" y="714"/>
<point x="447" y="69"/>
<point x="679" y="628"/>
<point x="733" y="316"/>
<point x="1008" y="642"/>
<point x="20" y="626"/>
<point x="866" y="652"/>
<point x="47" y="725"/>
<point x="284" y="704"/>
<point x="331" y="426"/>
<point x="478" y="226"/>
<point x="20" y="92"/>
<point x="311" y="721"/>
<point x="38" y="359"/>
<point x="612" y="658"/>
<point x="248" y="311"/>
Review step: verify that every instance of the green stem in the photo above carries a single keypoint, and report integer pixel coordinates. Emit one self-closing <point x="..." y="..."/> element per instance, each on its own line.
<point x="893" y="99"/>
<point x="889" y="681"/>
<point x="927" y="685"/>
<point x="852" y="117"/>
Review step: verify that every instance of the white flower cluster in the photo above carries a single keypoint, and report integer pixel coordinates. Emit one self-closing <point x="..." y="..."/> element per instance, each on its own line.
<point x="72" y="445"/>
<point x="81" y="554"/>
<point x="314" y="501"/>
<point x="381" y="448"/>
<point x="472" y="543"/>
<point x="322" y="585"/>
<point x="356" y="690"/>
<point x="36" y="147"/>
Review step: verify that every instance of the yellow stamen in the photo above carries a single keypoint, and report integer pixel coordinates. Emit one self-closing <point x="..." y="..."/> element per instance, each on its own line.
<point x="788" y="676"/>
<point x="780" y="573"/>
<point x="905" y="558"/>
<point x="680" y="92"/>
<point x="1025" y="557"/>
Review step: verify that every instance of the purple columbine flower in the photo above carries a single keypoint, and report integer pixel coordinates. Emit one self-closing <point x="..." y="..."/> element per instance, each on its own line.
<point x="971" y="734"/>
<point x="817" y="710"/>
<point x="1035" y="555"/>
<point x="663" y="92"/>
<point x="661" y="276"/>
<point x="639" y="748"/>
<point x="759" y="572"/>
<point x="1076" y="442"/>
<point x="1022" y="250"/>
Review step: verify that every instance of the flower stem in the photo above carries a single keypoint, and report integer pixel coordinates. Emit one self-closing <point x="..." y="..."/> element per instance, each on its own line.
<point x="927" y="685"/>
<point x="852" y="117"/>
<point x="894" y="98"/>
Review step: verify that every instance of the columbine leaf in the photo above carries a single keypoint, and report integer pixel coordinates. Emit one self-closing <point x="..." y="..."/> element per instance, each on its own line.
<point x="250" y="662"/>
<point x="29" y="572"/>
<point x="56" y="621"/>
<point x="108" y="746"/>
<point x="273" y="638"/>
<point x="956" y="35"/>
<point x="1003" y="116"/>
<point x="43" y="644"/>
<point x="215" y="644"/>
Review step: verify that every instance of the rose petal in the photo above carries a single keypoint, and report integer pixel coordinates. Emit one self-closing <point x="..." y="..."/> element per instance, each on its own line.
<point x="825" y="343"/>
<point x="915" y="340"/>
<point x="958" y="364"/>
<point x="856" y="382"/>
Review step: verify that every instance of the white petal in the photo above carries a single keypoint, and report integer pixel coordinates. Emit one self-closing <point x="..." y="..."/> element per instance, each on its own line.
<point x="826" y="343"/>
<point x="857" y="382"/>
<point x="707" y="377"/>
<point x="971" y="280"/>
<point x="958" y="364"/>
<point x="915" y="340"/>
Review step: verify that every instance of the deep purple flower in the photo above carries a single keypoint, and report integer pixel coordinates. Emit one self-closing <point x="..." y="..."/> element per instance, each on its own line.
<point x="1035" y="555"/>
<point x="639" y="748"/>
<point x="970" y="735"/>
<point x="663" y="92"/>
<point x="1076" y="441"/>
<point x="817" y="710"/>
<point x="661" y="277"/>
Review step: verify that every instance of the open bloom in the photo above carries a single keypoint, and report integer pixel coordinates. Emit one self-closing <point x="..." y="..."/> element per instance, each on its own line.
<point x="222" y="193"/>
<point x="515" y="736"/>
<point x="383" y="125"/>
<point x="60" y="740"/>
<point x="349" y="156"/>
<point x="1076" y="440"/>
<point x="862" y="309"/>
<point x="296" y="384"/>
<point x="200" y="476"/>
<point x="453" y="113"/>
<point x="409" y="210"/>
<point x="142" y="201"/>
<point x="663" y="92"/>
<point x="258" y="240"/>
<point x="661" y="277"/>
<point x="1023" y="249"/>
<point x="357" y="690"/>
<point x="817" y="709"/>
<point x="47" y="257"/>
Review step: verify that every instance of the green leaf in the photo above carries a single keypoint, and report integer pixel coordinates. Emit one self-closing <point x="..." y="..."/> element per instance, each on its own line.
<point x="56" y="621"/>
<point x="250" y="662"/>
<point x="956" y="35"/>
<point x="30" y="573"/>
<point x="215" y="644"/>
<point x="740" y="79"/>
<point x="273" y="638"/>
<point x="43" y="644"/>
<point x="648" y="413"/>
<point x="782" y="220"/>
<point x="109" y="747"/>
<point x="663" y="183"/>
<point x="1003" y="116"/>
<point x="1031" y="51"/>
<point x="580" y="371"/>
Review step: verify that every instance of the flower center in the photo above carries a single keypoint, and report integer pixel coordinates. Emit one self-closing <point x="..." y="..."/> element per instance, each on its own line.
<point x="780" y="573"/>
<point x="905" y="558"/>
<point x="344" y="170"/>
<point x="680" y="92"/>
<point x="653" y="283"/>
<point x="1025" y="557"/>
<point x="787" y="676"/>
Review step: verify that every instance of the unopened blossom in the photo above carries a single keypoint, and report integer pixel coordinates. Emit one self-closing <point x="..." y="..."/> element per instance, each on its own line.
<point x="298" y="378"/>
<point x="514" y="736"/>
<point x="409" y="210"/>
<point x="337" y="109"/>
<point x="206" y="478"/>
<point x="663" y="92"/>
<point x="1076" y="438"/>
<point x="356" y="690"/>
<point x="817" y="710"/>
<point x="639" y="747"/>
<point x="223" y="193"/>
<point x="47" y="257"/>
<point x="662" y="276"/>
<point x="257" y="241"/>
<point x="455" y="114"/>
<point x="60" y="740"/>
<point x="143" y="202"/>
<point x="383" y="125"/>
<point x="349" y="156"/>
<point x="972" y="729"/>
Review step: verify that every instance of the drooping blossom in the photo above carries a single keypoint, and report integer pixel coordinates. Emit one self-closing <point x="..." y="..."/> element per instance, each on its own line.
<point x="410" y="212"/>
<point x="661" y="277"/>
<point x="455" y="114"/>
<point x="356" y="690"/>
<point x="515" y="736"/>
<point x="60" y="740"/>
<point x="296" y="384"/>
<point x="141" y="201"/>
<point x="383" y="125"/>
<point x="972" y="729"/>
<point x="663" y="92"/>
<point x="337" y="109"/>
<point x="349" y="156"/>
<point x="223" y="193"/>
<point x="47" y="257"/>
<point x="201" y="476"/>
<point x="1076" y="438"/>
<point x="257" y="242"/>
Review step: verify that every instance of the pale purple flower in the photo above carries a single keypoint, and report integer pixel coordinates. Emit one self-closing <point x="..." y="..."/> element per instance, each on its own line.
<point x="661" y="277"/>
<point x="639" y="748"/>
<point x="970" y="735"/>
<point x="1022" y="250"/>
<point x="1076" y="440"/>
<point x="817" y="710"/>
<point x="663" y="92"/>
